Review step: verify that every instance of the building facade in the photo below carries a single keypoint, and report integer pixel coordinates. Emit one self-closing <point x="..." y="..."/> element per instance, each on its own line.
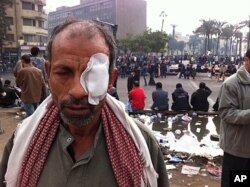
<point x="27" y="21"/>
<point x="128" y="15"/>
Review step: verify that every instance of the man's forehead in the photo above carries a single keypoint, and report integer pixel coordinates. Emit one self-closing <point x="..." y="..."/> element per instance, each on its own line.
<point x="79" y="29"/>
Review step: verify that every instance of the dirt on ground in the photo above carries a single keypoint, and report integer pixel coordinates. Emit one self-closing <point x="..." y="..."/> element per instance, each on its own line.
<point x="206" y="177"/>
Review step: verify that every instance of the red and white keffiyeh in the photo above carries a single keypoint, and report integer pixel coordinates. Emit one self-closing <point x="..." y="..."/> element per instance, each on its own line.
<point x="127" y="148"/>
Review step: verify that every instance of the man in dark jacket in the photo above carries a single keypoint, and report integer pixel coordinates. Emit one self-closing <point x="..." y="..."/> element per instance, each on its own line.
<point x="160" y="98"/>
<point x="199" y="98"/>
<point x="180" y="99"/>
<point x="9" y="96"/>
<point x="130" y="81"/>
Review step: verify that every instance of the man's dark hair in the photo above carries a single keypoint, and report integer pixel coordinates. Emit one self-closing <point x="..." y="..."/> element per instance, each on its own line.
<point x="202" y="85"/>
<point x="136" y="83"/>
<point x="158" y="85"/>
<point x="248" y="53"/>
<point x="90" y="29"/>
<point x="26" y="58"/>
<point x="178" y="85"/>
<point x="7" y="82"/>
<point x="1" y="86"/>
<point x="34" y="51"/>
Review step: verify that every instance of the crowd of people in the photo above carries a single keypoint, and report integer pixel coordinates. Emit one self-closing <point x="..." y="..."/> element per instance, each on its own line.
<point x="162" y="66"/>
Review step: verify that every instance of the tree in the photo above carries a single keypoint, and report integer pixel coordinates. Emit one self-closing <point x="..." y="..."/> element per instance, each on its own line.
<point x="227" y="34"/>
<point x="194" y="42"/>
<point x="206" y="29"/>
<point x="145" y="43"/>
<point x="181" y="46"/>
<point x="218" y="31"/>
<point x="3" y="22"/>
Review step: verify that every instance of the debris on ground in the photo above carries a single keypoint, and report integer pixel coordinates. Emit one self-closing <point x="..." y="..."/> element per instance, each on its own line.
<point x="190" y="170"/>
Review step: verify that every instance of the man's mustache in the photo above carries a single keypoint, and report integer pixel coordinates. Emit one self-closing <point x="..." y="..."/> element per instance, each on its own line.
<point x="73" y="101"/>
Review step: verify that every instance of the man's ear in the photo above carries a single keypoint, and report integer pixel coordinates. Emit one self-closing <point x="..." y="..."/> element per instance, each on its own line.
<point x="113" y="78"/>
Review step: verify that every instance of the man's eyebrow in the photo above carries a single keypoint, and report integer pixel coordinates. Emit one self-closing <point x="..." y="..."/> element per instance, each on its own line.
<point x="62" y="66"/>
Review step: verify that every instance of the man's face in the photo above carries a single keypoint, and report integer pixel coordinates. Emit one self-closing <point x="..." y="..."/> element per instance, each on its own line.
<point x="247" y="63"/>
<point x="69" y="59"/>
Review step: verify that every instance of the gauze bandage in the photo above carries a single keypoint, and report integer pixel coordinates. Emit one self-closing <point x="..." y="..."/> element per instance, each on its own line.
<point x="95" y="78"/>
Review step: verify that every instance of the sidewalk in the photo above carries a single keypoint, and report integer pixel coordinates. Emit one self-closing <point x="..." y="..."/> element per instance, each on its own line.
<point x="8" y="123"/>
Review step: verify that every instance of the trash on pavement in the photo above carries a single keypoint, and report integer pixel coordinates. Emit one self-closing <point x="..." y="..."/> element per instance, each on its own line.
<point x="170" y="166"/>
<point x="213" y="170"/>
<point x="190" y="170"/>
<point x="174" y="159"/>
<point x="186" y="118"/>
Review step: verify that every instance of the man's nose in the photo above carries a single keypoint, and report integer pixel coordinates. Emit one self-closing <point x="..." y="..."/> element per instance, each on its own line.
<point x="77" y="91"/>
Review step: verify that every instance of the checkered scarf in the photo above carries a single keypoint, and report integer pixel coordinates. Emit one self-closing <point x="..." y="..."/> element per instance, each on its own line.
<point x="125" y="159"/>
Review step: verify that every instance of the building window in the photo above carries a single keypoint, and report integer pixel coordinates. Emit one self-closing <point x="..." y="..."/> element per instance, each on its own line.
<point x="29" y="38"/>
<point x="9" y="37"/>
<point x="41" y="24"/>
<point x="40" y="8"/>
<point x="43" y="40"/>
<point x="9" y="20"/>
<point x="28" y="6"/>
<point x="29" y="22"/>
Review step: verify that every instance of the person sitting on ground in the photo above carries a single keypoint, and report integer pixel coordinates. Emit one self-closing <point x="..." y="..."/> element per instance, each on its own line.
<point x="180" y="99"/>
<point x="137" y="97"/>
<point x="80" y="135"/>
<point x="10" y="97"/>
<point x="113" y="92"/>
<point x="199" y="98"/>
<point x="160" y="98"/>
<point x="216" y="104"/>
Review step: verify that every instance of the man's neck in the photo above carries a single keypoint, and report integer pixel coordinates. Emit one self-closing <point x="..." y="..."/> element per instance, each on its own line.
<point x="84" y="137"/>
<point x="27" y="65"/>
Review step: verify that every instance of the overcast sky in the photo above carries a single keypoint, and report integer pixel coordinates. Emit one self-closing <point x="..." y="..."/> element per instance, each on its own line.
<point x="184" y="13"/>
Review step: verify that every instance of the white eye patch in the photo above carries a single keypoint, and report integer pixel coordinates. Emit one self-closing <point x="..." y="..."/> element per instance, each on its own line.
<point x="95" y="78"/>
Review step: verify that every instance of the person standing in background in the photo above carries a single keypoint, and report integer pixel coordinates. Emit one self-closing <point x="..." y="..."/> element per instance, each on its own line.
<point x="234" y="112"/>
<point x="31" y="82"/>
<point x="130" y="81"/>
<point x="38" y="62"/>
<point x="145" y="73"/>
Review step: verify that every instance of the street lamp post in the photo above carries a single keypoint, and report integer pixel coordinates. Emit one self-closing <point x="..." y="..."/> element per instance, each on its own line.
<point x="163" y="15"/>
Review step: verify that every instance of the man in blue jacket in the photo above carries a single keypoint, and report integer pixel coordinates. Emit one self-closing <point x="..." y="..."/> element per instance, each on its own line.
<point x="160" y="98"/>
